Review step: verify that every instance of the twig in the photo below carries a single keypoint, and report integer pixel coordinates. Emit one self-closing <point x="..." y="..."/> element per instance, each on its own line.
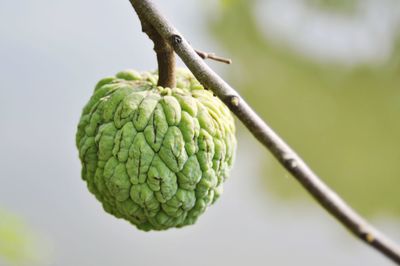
<point x="214" y="57"/>
<point x="282" y="152"/>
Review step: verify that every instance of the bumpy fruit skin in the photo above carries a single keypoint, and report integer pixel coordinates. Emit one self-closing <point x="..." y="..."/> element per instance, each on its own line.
<point x="155" y="156"/>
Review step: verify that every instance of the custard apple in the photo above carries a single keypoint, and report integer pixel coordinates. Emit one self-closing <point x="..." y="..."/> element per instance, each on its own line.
<point x="155" y="156"/>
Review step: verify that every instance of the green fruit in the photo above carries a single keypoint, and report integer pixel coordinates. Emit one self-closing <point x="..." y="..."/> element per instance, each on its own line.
<point x="155" y="156"/>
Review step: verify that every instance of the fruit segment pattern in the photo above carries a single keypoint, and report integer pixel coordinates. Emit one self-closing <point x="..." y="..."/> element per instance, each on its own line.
<point x="157" y="157"/>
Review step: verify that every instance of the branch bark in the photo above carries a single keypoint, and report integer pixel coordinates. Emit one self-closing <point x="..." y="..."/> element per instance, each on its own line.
<point x="262" y="132"/>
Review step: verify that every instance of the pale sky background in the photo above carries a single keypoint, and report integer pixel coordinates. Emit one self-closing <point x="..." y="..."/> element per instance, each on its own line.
<point x="51" y="55"/>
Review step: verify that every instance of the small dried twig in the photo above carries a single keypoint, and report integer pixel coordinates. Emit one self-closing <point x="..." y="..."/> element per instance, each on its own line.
<point x="260" y="130"/>
<point x="214" y="57"/>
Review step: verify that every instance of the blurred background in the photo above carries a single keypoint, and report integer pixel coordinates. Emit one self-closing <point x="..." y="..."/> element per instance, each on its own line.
<point x="325" y="74"/>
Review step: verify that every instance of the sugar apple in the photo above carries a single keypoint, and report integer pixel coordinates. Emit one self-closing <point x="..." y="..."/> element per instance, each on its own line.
<point x="155" y="156"/>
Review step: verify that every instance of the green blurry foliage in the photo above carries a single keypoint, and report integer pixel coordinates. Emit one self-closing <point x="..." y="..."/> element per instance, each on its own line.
<point x="334" y="5"/>
<point x="18" y="244"/>
<point x="343" y="121"/>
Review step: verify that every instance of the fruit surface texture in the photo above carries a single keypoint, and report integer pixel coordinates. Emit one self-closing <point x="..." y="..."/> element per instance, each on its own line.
<point x="157" y="157"/>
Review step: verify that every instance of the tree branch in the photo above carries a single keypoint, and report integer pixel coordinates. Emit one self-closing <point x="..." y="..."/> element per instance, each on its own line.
<point x="282" y="152"/>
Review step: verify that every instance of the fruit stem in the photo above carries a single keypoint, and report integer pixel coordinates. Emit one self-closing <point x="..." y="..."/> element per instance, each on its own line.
<point x="165" y="56"/>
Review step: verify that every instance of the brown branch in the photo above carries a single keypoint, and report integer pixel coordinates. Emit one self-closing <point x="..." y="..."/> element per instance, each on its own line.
<point x="165" y="55"/>
<point x="282" y="152"/>
<point x="214" y="57"/>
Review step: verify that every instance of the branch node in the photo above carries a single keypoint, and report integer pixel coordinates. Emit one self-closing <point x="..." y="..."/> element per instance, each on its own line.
<point x="370" y="238"/>
<point x="176" y="39"/>
<point x="235" y="100"/>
